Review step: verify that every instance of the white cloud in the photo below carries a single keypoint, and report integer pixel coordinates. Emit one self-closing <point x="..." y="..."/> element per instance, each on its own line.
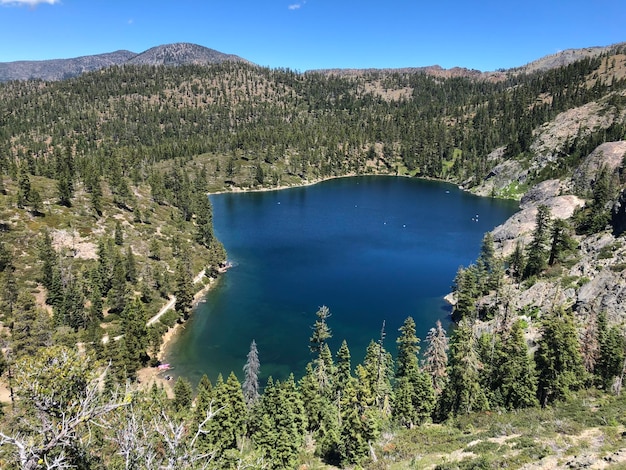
<point x="294" y="6"/>
<point x="31" y="3"/>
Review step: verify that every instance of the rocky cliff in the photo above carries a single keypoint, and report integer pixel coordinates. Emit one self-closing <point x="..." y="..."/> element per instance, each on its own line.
<point x="595" y="277"/>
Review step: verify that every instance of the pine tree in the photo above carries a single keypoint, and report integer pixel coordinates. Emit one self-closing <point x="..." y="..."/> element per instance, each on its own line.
<point x="48" y="256"/>
<point x="353" y="446"/>
<point x="537" y="250"/>
<point x="8" y="290"/>
<point x="558" y="360"/>
<point x="589" y="342"/>
<point x="183" y="394"/>
<point x="96" y="196"/>
<point x="96" y="304"/>
<point x="135" y="334"/>
<point x="154" y="249"/>
<point x="31" y="329"/>
<point x="184" y="288"/>
<point x="463" y="392"/>
<point x="118" y="293"/>
<point x="204" y="220"/>
<point x="489" y="266"/>
<point x="514" y="379"/>
<point x="517" y="262"/>
<point x="35" y="202"/>
<point x="378" y="367"/>
<point x="321" y="331"/>
<point x="23" y="189"/>
<point x="561" y="241"/>
<point x="65" y="189"/>
<point x="436" y="357"/>
<point x="251" y="370"/>
<point x="118" y="234"/>
<point x="611" y="356"/>
<point x="343" y="368"/>
<point x="131" y="266"/>
<point x="414" y="395"/>
<point x="229" y="424"/>
<point x="6" y="257"/>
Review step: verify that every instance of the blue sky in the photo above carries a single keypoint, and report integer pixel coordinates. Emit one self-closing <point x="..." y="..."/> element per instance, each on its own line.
<point x="312" y="34"/>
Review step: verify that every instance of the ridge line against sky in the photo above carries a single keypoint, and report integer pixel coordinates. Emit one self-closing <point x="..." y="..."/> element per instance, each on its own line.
<point x="314" y="34"/>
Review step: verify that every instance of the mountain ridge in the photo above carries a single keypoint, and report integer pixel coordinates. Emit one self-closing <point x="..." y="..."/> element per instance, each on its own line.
<point x="182" y="53"/>
<point x="61" y="69"/>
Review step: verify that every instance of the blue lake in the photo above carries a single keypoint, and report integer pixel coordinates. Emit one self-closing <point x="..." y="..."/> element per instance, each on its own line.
<point x="369" y="248"/>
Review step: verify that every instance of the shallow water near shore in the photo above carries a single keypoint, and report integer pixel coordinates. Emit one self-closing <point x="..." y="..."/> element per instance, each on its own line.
<point x="372" y="249"/>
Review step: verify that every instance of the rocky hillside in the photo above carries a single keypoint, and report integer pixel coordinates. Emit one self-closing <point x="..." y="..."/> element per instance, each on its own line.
<point x="562" y="171"/>
<point x="563" y="58"/>
<point x="61" y="69"/>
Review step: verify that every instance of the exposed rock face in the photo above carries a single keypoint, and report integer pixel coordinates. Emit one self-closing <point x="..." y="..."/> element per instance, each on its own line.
<point x="596" y="280"/>
<point x="551" y="142"/>
<point x="609" y="155"/>
<point x="563" y="58"/>
<point x="503" y="175"/>
<point x="553" y="137"/>
<point x="520" y="225"/>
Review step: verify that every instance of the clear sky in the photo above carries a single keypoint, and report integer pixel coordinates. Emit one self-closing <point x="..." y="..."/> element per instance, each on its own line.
<point x="312" y="34"/>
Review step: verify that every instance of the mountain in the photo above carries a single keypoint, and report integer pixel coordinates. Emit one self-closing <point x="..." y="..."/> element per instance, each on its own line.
<point x="187" y="53"/>
<point x="182" y="53"/>
<point x="61" y="69"/>
<point x="566" y="57"/>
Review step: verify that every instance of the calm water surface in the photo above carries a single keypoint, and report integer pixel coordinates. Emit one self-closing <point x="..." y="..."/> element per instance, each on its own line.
<point x="370" y="248"/>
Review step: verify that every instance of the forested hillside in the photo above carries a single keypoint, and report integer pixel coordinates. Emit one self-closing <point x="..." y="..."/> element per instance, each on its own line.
<point x="104" y="219"/>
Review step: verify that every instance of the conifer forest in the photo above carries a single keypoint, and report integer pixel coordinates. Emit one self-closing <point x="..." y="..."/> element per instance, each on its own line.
<point x="104" y="219"/>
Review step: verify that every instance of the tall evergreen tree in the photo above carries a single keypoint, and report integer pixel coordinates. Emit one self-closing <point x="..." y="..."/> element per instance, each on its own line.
<point x="49" y="259"/>
<point x="463" y="392"/>
<point x="436" y="357"/>
<point x="561" y="242"/>
<point x="611" y="356"/>
<point x="558" y="360"/>
<point x="321" y="330"/>
<point x="251" y="370"/>
<point x="131" y="266"/>
<point x="184" y="288"/>
<point x="117" y="295"/>
<point x="513" y="380"/>
<point x="353" y="445"/>
<point x="228" y="426"/>
<point x="414" y="395"/>
<point x="183" y="395"/>
<point x="23" y="189"/>
<point x="343" y="369"/>
<point x="537" y="250"/>
<point x="135" y="334"/>
<point x="118" y="234"/>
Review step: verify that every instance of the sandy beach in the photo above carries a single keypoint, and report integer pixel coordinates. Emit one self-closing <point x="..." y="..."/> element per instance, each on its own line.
<point x="148" y="376"/>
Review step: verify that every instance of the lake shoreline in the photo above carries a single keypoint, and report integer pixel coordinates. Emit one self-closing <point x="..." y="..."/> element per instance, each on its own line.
<point x="148" y="376"/>
<point x="171" y="337"/>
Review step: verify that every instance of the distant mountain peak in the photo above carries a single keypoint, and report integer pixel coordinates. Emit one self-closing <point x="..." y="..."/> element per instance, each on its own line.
<point x="181" y="53"/>
<point x="61" y="69"/>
